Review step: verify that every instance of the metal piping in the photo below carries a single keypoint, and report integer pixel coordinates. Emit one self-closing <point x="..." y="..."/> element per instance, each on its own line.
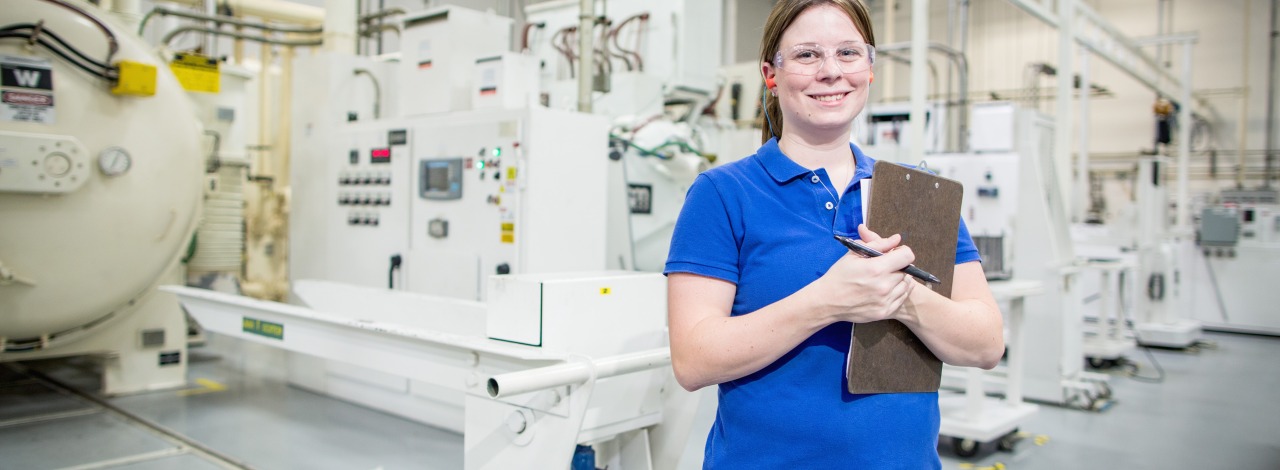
<point x="379" y="29"/>
<point x="218" y="19"/>
<point x="1242" y="126"/>
<point x="574" y="373"/>
<point x="1271" y="98"/>
<point x="382" y="14"/>
<point x="905" y="60"/>
<point x="210" y="41"/>
<point x="586" y="25"/>
<point x="279" y="10"/>
<point x="961" y="64"/>
<point x="262" y="39"/>
<point x="377" y="92"/>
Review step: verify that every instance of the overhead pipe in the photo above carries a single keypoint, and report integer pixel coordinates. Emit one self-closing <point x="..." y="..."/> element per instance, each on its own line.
<point x="905" y="60"/>
<point x="231" y="20"/>
<point x="379" y="29"/>
<point x="380" y="14"/>
<point x="961" y="65"/>
<point x="218" y="32"/>
<point x="277" y="10"/>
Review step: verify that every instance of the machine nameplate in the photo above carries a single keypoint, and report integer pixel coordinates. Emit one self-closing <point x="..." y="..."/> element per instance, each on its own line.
<point x="169" y="358"/>
<point x="263" y="328"/>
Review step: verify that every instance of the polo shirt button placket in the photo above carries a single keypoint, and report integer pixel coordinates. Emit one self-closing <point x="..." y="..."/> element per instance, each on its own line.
<point x="830" y="205"/>
<point x="814" y="179"/>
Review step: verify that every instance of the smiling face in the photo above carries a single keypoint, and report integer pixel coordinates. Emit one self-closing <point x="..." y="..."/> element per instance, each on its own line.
<point x="819" y="107"/>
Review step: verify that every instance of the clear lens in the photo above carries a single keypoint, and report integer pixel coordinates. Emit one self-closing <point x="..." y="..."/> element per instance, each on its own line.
<point x="809" y="59"/>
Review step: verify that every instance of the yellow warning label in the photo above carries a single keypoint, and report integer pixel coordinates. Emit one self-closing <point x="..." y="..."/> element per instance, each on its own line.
<point x="508" y="226"/>
<point x="508" y="237"/>
<point x="511" y="172"/>
<point x="605" y="291"/>
<point x="196" y="72"/>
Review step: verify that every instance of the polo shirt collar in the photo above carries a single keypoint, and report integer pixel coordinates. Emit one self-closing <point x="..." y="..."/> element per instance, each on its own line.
<point x="783" y="169"/>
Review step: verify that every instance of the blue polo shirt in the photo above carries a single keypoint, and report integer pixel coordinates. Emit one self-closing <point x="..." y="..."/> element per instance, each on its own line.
<point x="765" y="224"/>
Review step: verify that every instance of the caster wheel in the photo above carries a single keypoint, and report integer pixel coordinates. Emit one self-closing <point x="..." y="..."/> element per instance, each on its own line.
<point x="1008" y="441"/>
<point x="964" y="447"/>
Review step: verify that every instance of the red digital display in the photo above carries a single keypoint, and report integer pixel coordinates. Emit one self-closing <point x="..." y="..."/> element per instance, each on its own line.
<point x="380" y="155"/>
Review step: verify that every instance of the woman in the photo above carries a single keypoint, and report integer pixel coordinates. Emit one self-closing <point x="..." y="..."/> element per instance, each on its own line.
<point x="760" y="296"/>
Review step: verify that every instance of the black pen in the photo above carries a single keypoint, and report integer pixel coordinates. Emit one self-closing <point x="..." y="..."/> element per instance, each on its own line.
<point x="868" y="252"/>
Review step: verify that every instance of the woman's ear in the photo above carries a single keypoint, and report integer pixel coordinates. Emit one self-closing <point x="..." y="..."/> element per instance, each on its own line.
<point x="766" y="71"/>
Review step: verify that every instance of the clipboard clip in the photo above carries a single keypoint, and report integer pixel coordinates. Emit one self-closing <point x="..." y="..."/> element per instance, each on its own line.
<point x="924" y="166"/>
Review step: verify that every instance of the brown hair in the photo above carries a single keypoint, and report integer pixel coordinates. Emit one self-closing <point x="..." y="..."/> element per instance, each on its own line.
<point x="783" y="14"/>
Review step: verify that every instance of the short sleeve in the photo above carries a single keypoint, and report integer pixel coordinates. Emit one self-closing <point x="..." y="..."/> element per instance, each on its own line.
<point x="966" y="250"/>
<point x="704" y="240"/>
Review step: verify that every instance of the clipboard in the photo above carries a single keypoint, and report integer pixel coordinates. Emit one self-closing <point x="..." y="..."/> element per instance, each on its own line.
<point x="885" y="356"/>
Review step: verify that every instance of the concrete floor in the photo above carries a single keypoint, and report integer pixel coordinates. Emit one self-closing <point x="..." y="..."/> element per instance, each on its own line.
<point x="1217" y="408"/>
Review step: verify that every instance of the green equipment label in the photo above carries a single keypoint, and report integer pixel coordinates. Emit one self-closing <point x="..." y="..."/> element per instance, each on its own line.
<point x="263" y="328"/>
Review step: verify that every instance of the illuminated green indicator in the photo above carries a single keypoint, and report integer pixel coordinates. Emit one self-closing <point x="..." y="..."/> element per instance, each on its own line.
<point x="480" y="164"/>
<point x="263" y="328"/>
<point x="497" y="152"/>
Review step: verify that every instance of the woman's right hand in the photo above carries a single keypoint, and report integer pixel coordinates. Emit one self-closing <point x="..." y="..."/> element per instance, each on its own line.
<point x="861" y="290"/>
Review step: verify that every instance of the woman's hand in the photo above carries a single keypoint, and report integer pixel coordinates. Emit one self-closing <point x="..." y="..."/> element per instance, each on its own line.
<point x="861" y="290"/>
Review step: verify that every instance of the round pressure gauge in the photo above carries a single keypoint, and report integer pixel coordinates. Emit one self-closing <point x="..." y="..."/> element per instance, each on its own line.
<point x="114" y="161"/>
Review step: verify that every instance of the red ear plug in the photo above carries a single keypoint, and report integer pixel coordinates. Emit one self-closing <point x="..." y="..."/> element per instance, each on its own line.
<point x="873" y="78"/>
<point x="769" y="83"/>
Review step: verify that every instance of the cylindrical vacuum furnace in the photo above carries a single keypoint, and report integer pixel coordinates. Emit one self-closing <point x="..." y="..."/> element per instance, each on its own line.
<point x="100" y="188"/>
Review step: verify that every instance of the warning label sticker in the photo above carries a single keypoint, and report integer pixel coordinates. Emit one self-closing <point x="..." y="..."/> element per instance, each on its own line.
<point x="196" y="72"/>
<point x="26" y="89"/>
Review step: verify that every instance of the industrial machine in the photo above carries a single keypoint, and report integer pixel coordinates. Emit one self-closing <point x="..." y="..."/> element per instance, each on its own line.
<point x="100" y="191"/>
<point x="1015" y="210"/>
<point x="438" y="217"/>
<point x="1234" y="263"/>
<point x="549" y="362"/>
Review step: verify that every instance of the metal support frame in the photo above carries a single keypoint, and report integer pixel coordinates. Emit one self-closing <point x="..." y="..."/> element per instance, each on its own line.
<point x="1086" y="27"/>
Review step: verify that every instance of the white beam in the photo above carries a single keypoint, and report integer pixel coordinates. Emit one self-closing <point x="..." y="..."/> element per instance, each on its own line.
<point x="1063" y="125"/>
<point x="1183" y="227"/>
<point x="919" y="76"/>
<point x="1081" y="203"/>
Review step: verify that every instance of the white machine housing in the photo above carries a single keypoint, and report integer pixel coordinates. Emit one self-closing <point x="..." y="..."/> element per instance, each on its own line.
<point x="98" y="203"/>
<point x="442" y="345"/>
<point x="516" y="182"/>
<point x="884" y="130"/>
<point x="1232" y="283"/>
<point x="439" y="48"/>
<point x="1023" y="202"/>
<point x="680" y="44"/>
